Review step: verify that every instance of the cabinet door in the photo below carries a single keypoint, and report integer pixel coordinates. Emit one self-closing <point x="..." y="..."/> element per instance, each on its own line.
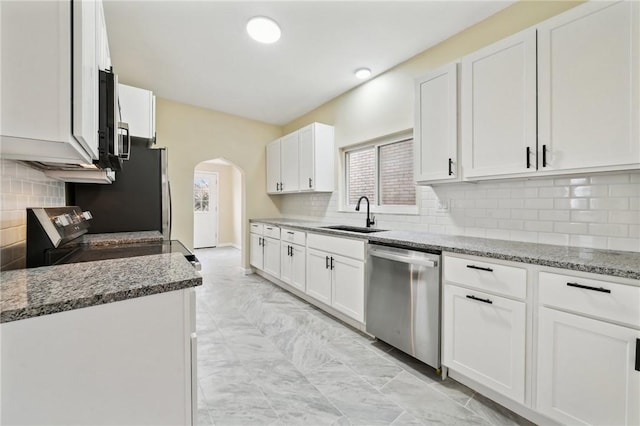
<point x="348" y="286"/>
<point x="589" y="92"/>
<point x="289" y="162"/>
<point x="137" y="107"/>
<point x="484" y="339"/>
<point x="256" y="256"/>
<point x="306" y="158"/>
<point x="436" y="132"/>
<point x="298" y="261"/>
<point x="102" y="41"/>
<point x="272" y="256"/>
<point x="586" y="370"/>
<point x="499" y="108"/>
<point x="286" y="264"/>
<point x="273" y="167"/>
<point x="85" y="75"/>
<point x="318" y="276"/>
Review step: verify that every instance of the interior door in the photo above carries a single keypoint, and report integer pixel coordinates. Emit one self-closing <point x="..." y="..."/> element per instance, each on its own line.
<point x="205" y="209"/>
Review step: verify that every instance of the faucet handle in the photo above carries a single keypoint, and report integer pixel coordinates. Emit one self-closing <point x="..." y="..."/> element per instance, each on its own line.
<point x="372" y="221"/>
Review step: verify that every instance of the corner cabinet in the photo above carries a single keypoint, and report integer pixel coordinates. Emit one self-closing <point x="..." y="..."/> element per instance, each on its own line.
<point x="50" y="53"/>
<point x="436" y="126"/>
<point x="589" y="88"/>
<point x="499" y="108"/>
<point x="302" y="161"/>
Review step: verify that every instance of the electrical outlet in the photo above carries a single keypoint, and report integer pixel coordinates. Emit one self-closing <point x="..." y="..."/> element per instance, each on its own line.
<point x="442" y="206"/>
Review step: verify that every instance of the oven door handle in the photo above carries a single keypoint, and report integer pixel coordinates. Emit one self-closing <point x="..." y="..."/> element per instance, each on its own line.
<point x="404" y="259"/>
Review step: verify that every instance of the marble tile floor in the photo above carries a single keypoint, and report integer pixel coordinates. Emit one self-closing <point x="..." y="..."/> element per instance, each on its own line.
<point x="266" y="357"/>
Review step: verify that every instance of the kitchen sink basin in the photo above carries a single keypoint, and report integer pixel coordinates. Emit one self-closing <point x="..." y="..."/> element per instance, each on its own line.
<point x="354" y="229"/>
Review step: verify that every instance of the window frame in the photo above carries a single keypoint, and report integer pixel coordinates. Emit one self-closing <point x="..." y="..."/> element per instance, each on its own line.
<point x="376" y="207"/>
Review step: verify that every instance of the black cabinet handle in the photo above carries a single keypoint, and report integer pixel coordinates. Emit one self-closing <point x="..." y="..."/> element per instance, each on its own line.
<point x="586" y="287"/>
<point x="310" y="180"/>
<point x="290" y="233"/>
<point x="326" y="262"/>
<point x="480" y="268"/>
<point x="259" y="241"/>
<point x="479" y="300"/>
<point x="544" y="156"/>
<point x="332" y="263"/>
<point x="528" y="157"/>
<point x="450" y="169"/>
<point x="637" y="355"/>
<point x="291" y="250"/>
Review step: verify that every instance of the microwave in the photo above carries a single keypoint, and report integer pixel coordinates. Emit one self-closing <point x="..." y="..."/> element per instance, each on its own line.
<point x="114" y="142"/>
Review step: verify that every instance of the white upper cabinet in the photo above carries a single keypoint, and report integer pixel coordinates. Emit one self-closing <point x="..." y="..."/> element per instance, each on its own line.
<point x="302" y="161"/>
<point x="289" y="162"/>
<point x="104" y="55"/>
<point x="138" y="110"/>
<point x="316" y="158"/>
<point x="589" y="89"/>
<point x="499" y="108"/>
<point x="273" y="167"/>
<point x="40" y="86"/>
<point x="436" y="126"/>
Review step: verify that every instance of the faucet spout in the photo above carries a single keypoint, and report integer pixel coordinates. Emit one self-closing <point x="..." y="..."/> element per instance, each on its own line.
<point x="370" y="219"/>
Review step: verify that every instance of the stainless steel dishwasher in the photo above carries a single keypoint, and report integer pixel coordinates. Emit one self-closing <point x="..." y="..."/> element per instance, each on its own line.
<point x="403" y="301"/>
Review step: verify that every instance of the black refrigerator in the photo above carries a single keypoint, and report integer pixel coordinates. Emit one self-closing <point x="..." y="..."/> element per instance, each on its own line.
<point x="138" y="200"/>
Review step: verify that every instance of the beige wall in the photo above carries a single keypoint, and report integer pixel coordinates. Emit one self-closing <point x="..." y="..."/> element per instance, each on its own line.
<point x="385" y="104"/>
<point x="236" y="195"/>
<point x="227" y="215"/>
<point x="193" y="135"/>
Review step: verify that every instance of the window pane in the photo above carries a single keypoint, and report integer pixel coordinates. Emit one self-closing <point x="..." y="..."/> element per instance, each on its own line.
<point x="362" y="174"/>
<point x="396" y="174"/>
<point x="201" y="195"/>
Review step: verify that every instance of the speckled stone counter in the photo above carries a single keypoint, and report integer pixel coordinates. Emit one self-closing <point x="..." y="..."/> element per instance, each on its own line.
<point x="117" y="238"/>
<point x="28" y="293"/>
<point x="606" y="262"/>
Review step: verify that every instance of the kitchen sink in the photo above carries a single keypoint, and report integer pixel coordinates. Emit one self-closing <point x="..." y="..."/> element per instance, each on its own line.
<point x="353" y="229"/>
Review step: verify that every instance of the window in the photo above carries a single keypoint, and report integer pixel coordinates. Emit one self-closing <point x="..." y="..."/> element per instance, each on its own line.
<point x="383" y="172"/>
<point x="200" y="195"/>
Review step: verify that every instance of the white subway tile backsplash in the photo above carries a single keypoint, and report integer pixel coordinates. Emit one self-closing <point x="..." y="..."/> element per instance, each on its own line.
<point x="596" y="211"/>
<point x="21" y="187"/>
<point x="625" y="244"/>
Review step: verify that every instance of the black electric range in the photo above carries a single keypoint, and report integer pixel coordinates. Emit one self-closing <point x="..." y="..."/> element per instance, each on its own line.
<point x="90" y="253"/>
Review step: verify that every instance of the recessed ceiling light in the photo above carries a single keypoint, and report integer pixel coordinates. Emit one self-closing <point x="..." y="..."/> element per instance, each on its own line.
<point x="263" y="29"/>
<point x="363" y="73"/>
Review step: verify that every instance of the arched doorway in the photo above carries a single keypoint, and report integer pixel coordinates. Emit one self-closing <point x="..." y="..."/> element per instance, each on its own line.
<point x="217" y="204"/>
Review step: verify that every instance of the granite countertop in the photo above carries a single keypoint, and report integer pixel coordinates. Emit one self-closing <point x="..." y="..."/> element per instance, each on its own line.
<point x="112" y="238"/>
<point x="607" y="262"/>
<point x="28" y="293"/>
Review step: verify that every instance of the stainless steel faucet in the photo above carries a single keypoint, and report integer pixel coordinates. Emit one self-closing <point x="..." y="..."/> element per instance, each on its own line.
<point x="370" y="218"/>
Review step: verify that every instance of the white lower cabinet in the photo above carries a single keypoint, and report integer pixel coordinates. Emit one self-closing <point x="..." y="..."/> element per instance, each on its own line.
<point x="586" y="370"/>
<point x="131" y="362"/>
<point x="484" y="339"/>
<point x="318" y="276"/>
<point x="256" y="257"/>
<point x="347" y="293"/>
<point x="271" y="256"/>
<point x="292" y="265"/>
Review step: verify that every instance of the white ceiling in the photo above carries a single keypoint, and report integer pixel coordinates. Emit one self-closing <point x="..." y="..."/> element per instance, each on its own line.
<point x="199" y="53"/>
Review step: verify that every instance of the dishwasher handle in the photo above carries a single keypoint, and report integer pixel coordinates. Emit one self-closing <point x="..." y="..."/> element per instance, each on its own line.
<point x="404" y="259"/>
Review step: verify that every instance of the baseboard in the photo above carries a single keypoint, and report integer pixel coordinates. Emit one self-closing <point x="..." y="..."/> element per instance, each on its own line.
<point x="235" y="246"/>
<point x="246" y="271"/>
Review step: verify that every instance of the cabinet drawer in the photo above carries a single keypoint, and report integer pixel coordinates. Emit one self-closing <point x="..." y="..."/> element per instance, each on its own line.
<point x="257" y="228"/>
<point x="494" y="277"/>
<point x="344" y="246"/>
<point x="295" y="237"/>
<point x="272" y="231"/>
<point x="598" y="298"/>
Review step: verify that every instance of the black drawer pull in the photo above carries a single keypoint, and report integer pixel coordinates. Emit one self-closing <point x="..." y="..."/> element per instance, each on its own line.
<point x="479" y="268"/>
<point x="479" y="300"/>
<point x="637" y="355"/>
<point x="586" y="287"/>
<point x="289" y="232"/>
